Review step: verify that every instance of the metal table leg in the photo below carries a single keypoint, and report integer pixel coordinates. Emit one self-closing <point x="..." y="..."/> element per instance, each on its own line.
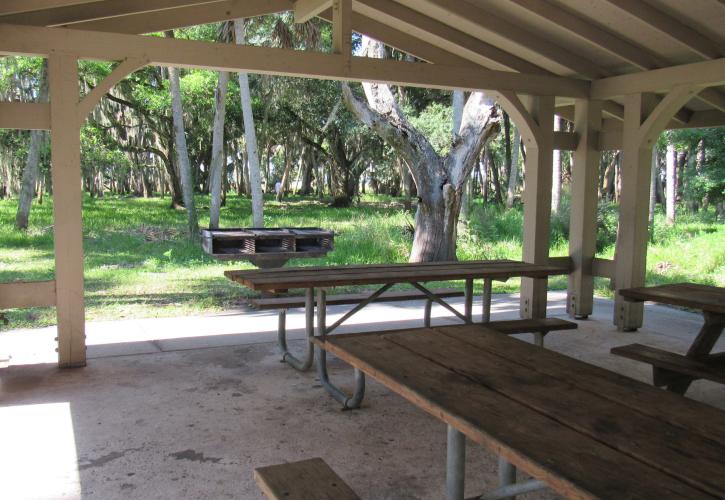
<point x="348" y="402"/>
<point x="506" y="474"/>
<point x="468" y="295"/>
<point x="487" y="286"/>
<point x="305" y="363"/>
<point x="455" y="464"/>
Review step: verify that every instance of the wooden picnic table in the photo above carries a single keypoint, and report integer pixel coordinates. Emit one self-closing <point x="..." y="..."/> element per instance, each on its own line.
<point x="581" y="430"/>
<point x="676" y="371"/>
<point x="322" y="278"/>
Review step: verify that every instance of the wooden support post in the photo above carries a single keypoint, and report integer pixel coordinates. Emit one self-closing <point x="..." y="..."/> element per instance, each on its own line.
<point x="645" y="117"/>
<point x="631" y="250"/>
<point x="342" y="29"/>
<point x="67" y="201"/>
<point x="537" y="204"/>
<point x="583" y="217"/>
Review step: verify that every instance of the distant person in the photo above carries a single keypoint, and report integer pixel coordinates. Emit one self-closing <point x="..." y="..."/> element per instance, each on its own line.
<point x="277" y="188"/>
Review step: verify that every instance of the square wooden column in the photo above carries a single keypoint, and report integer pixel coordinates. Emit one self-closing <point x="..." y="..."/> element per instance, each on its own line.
<point x="537" y="203"/>
<point x="631" y="249"/>
<point x="67" y="202"/>
<point x="583" y="217"/>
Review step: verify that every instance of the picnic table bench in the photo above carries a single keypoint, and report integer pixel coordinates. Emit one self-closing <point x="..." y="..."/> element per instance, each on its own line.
<point x="580" y="430"/>
<point x="317" y="280"/>
<point x="676" y="371"/>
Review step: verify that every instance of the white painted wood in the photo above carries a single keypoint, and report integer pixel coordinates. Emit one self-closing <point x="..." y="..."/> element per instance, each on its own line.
<point x="583" y="217"/>
<point x="28" y="40"/>
<point x="27" y="294"/>
<point x="307" y="9"/>
<point x="181" y="17"/>
<point x="681" y="32"/>
<point x="16" y="6"/>
<point x="535" y="121"/>
<point x="707" y="74"/>
<point x="342" y="29"/>
<point x="95" y="10"/>
<point x="25" y="115"/>
<point x="67" y="199"/>
<point x="604" y="268"/>
<point x="440" y="34"/>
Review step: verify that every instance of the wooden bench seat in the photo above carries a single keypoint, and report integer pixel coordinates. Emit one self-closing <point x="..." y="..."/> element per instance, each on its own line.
<point x="668" y="366"/>
<point x="309" y="479"/>
<point x="268" y="303"/>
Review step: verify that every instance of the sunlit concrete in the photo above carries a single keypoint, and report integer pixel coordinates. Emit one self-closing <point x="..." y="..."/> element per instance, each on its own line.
<point x="187" y="407"/>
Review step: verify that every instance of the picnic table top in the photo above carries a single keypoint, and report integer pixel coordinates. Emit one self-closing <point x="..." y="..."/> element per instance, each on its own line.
<point x="330" y="276"/>
<point x="584" y="430"/>
<point x="692" y="295"/>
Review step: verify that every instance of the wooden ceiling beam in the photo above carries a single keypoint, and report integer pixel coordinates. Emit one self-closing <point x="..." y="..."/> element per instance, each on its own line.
<point x="683" y="34"/>
<point x="29" y="40"/>
<point x="460" y="13"/>
<point x="182" y="17"/>
<point x="307" y="9"/>
<point x="410" y="21"/>
<point x="401" y="41"/>
<point x="706" y="73"/>
<point x="597" y="36"/>
<point x="70" y="14"/>
<point x="17" y="6"/>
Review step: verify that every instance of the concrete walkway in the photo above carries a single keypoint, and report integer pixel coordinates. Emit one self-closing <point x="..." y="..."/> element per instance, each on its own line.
<point x="187" y="407"/>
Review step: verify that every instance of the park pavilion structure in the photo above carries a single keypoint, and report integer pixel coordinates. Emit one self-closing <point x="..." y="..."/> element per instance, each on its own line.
<point x="621" y="70"/>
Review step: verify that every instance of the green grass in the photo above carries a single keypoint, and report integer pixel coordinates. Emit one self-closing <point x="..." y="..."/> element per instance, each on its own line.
<point x="138" y="262"/>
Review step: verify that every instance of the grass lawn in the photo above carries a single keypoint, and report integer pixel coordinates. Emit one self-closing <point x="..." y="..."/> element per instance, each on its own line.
<point x="138" y="262"/>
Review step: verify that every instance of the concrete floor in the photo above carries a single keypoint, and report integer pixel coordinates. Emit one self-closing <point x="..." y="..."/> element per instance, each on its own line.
<point x="187" y="407"/>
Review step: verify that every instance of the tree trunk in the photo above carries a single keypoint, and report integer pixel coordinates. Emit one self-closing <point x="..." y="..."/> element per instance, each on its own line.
<point x="439" y="180"/>
<point x="458" y="101"/>
<point x="218" y="160"/>
<point x="182" y="153"/>
<point x="30" y="172"/>
<point x="255" y="179"/>
<point x="514" y="175"/>
<point x="653" y="189"/>
<point x="495" y="178"/>
<point x="556" y="173"/>
<point x="670" y="183"/>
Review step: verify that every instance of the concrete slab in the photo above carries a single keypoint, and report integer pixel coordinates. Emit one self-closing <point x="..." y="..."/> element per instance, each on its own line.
<point x="160" y="417"/>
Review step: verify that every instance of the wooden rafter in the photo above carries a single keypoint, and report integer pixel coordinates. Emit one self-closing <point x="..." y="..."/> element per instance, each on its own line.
<point x="307" y="9"/>
<point x="463" y="13"/>
<point x="27" y="40"/>
<point x="17" y="6"/>
<point x="410" y="21"/>
<point x="70" y="14"/>
<point x="685" y="35"/>
<point x="181" y="17"/>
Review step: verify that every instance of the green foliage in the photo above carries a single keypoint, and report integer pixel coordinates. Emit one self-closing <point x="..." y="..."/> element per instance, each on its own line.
<point x="139" y="263"/>
<point x="435" y="123"/>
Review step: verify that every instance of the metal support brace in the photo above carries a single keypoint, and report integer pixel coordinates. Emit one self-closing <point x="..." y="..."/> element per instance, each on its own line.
<point x="487" y="285"/>
<point x="426" y="314"/>
<point x="506" y="475"/>
<point x="539" y="339"/>
<point x="305" y="363"/>
<point x="468" y="295"/>
<point x="348" y="402"/>
<point x="433" y="297"/>
<point x="455" y="464"/>
<point x="512" y="490"/>
<point x="358" y="307"/>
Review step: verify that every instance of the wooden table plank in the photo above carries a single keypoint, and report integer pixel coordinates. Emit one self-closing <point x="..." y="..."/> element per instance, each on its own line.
<point x="341" y="276"/>
<point x="692" y="458"/>
<point x="692" y="295"/>
<point x="571" y="463"/>
<point x="643" y="398"/>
